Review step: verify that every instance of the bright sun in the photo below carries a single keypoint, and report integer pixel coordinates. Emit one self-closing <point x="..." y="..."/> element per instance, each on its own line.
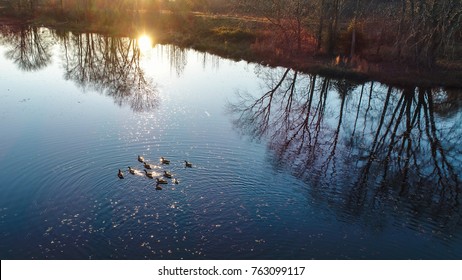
<point x="144" y="43"/>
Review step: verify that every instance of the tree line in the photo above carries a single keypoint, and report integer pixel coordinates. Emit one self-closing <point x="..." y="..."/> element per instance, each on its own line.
<point x="415" y="31"/>
<point x="420" y="32"/>
<point x="115" y="6"/>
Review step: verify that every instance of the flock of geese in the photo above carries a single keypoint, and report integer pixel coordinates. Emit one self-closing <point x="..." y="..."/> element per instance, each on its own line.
<point x="159" y="180"/>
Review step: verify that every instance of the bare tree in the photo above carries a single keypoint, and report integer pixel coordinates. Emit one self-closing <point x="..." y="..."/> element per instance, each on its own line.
<point x="287" y="19"/>
<point x="426" y="28"/>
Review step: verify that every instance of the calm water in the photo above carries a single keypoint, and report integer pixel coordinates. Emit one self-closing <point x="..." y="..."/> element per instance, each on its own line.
<point x="286" y="165"/>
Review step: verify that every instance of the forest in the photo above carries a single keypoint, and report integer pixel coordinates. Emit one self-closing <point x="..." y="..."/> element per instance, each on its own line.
<point x="365" y="36"/>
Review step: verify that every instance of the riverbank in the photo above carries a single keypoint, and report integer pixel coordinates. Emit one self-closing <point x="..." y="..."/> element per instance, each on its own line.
<point x="246" y="38"/>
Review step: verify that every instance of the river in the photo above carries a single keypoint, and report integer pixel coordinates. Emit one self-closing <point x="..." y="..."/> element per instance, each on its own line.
<point x="285" y="165"/>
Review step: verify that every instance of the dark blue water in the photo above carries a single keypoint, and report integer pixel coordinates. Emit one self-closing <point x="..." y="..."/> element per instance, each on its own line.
<point x="285" y="165"/>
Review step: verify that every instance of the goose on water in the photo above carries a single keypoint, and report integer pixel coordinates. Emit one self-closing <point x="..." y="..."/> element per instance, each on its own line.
<point x="164" y="160"/>
<point x="161" y="181"/>
<point x="131" y="170"/>
<point x="120" y="174"/>
<point x="167" y="174"/>
<point x="149" y="174"/>
<point x="148" y="166"/>
<point x="187" y="164"/>
<point x="140" y="158"/>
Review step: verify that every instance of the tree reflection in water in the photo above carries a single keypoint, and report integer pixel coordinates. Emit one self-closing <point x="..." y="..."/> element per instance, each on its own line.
<point x="30" y="47"/>
<point x="368" y="150"/>
<point x="177" y="57"/>
<point x="109" y="65"/>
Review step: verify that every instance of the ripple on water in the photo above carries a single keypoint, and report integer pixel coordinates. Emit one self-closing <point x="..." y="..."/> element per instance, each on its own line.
<point x="61" y="197"/>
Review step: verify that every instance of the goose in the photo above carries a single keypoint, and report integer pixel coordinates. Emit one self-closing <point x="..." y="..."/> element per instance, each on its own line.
<point x="167" y="174"/>
<point x="164" y="160"/>
<point x="187" y="164"/>
<point x="161" y="181"/>
<point x="131" y="170"/>
<point x="175" y="181"/>
<point x="120" y="174"/>
<point x="140" y="158"/>
<point x="149" y="174"/>
<point x="148" y="166"/>
<point x="158" y="188"/>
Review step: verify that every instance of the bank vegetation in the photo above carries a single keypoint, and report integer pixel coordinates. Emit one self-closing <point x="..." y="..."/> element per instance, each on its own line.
<point x="398" y="41"/>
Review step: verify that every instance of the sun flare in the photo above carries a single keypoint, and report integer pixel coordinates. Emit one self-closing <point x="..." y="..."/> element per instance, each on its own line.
<point x="144" y="43"/>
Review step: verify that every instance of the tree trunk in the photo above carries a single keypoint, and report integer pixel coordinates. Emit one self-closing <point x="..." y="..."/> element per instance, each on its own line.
<point x="353" y="33"/>
<point x="321" y="26"/>
<point x="353" y="41"/>
<point x="332" y="36"/>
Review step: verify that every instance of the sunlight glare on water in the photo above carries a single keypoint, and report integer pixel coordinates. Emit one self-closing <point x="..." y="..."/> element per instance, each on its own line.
<point x="145" y="43"/>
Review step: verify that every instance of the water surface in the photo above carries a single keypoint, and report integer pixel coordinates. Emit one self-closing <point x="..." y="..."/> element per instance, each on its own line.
<point x="286" y="165"/>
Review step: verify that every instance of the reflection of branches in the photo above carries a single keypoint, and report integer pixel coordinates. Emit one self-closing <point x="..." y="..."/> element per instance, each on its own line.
<point x="109" y="65"/>
<point x="259" y="111"/>
<point x="209" y="59"/>
<point x="30" y="47"/>
<point x="177" y="57"/>
<point x="366" y="147"/>
<point x="447" y="102"/>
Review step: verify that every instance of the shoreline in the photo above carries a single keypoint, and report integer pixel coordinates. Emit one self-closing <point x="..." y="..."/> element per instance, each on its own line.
<point x="202" y="39"/>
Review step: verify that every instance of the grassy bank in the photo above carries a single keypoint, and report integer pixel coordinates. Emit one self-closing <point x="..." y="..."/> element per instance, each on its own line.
<point x="246" y="38"/>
